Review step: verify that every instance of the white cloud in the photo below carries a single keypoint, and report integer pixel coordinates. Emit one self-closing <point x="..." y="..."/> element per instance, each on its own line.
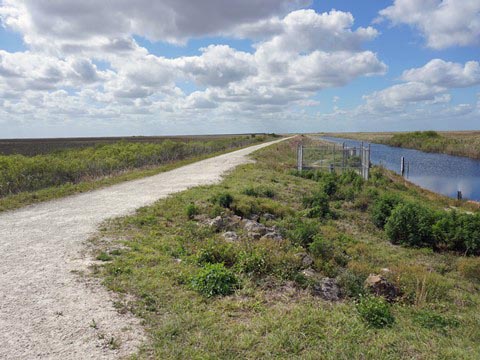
<point x="446" y="74"/>
<point x="444" y="23"/>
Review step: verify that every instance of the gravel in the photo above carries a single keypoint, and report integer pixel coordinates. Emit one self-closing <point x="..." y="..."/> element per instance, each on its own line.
<point x="47" y="310"/>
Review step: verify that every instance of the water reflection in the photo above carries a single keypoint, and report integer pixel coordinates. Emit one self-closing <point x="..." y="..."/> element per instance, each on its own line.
<point x="444" y="174"/>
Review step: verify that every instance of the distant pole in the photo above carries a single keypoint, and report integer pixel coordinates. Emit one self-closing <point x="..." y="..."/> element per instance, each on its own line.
<point x="402" y="165"/>
<point x="300" y="157"/>
<point x="459" y="195"/>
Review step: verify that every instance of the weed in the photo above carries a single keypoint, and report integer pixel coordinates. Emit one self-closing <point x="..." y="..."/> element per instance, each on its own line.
<point x="375" y="311"/>
<point x="191" y="210"/>
<point x="213" y="280"/>
<point x="103" y="256"/>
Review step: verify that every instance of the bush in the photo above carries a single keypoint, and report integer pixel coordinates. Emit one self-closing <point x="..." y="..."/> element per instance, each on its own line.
<point x="217" y="252"/>
<point x="259" y="192"/>
<point x="317" y="204"/>
<point x="459" y="232"/>
<point x="224" y="200"/>
<point x="329" y="184"/>
<point x="375" y="311"/>
<point x="322" y="248"/>
<point x="352" y="284"/>
<point x="191" y="210"/>
<point x="213" y="280"/>
<point x="301" y="232"/>
<point x="253" y="262"/>
<point x="430" y="320"/>
<point x="383" y="207"/>
<point x="410" y="224"/>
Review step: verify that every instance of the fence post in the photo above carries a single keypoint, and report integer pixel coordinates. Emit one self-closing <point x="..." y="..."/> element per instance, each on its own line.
<point x="300" y="157"/>
<point x="402" y="166"/>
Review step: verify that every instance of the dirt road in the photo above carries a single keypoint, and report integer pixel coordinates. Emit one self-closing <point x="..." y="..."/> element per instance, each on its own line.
<point x="46" y="310"/>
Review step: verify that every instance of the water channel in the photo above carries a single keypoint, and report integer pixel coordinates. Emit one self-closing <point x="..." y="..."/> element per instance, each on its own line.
<point x="443" y="174"/>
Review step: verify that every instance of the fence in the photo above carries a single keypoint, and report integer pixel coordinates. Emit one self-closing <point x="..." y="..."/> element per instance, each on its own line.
<point x="334" y="157"/>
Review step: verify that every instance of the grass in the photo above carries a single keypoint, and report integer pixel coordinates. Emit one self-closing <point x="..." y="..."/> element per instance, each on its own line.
<point x="460" y="143"/>
<point x="272" y="312"/>
<point x="90" y="182"/>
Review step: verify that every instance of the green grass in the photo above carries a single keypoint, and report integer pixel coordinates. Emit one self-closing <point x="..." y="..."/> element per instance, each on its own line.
<point x="272" y="313"/>
<point x="90" y="181"/>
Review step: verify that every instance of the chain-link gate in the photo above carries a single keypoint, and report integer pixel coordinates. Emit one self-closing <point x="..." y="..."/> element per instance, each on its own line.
<point x="335" y="157"/>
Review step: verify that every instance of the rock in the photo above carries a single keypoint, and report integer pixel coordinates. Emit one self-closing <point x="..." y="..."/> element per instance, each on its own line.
<point x="235" y="220"/>
<point x="177" y="261"/>
<point x="254" y="229"/>
<point x="380" y="286"/>
<point x="307" y="261"/>
<point x="268" y="216"/>
<point x="327" y="289"/>
<point x="310" y="273"/>
<point x="216" y="223"/>
<point x="273" y="236"/>
<point x="230" y="236"/>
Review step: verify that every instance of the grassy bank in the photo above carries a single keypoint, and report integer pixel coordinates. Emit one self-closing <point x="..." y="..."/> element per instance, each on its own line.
<point x="459" y="143"/>
<point x="29" y="179"/>
<point x="197" y="269"/>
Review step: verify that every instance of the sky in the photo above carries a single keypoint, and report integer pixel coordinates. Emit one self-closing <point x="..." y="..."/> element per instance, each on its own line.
<point x="167" y="67"/>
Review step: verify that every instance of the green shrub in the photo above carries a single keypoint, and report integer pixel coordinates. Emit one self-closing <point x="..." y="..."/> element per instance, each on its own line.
<point x="191" y="210"/>
<point x="259" y="192"/>
<point x="322" y="248"/>
<point x="459" y="232"/>
<point x="253" y="262"/>
<point x="317" y="204"/>
<point x="301" y="232"/>
<point x="411" y="224"/>
<point x="223" y="199"/>
<point x="352" y="284"/>
<point x="213" y="280"/>
<point x="328" y="184"/>
<point x="375" y="311"/>
<point x="383" y="207"/>
<point x="217" y="252"/>
<point x="250" y="191"/>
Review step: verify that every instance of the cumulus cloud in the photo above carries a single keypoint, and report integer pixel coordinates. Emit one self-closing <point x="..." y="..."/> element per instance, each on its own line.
<point x="446" y="74"/>
<point x="444" y="23"/>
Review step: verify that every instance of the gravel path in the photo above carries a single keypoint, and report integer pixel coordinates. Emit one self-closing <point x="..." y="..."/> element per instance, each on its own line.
<point x="47" y="311"/>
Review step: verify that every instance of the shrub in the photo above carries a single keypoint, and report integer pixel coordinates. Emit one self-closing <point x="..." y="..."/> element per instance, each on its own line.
<point x="213" y="280"/>
<point x="250" y="191"/>
<point x="322" y="248"/>
<point x="352" y="284"/>
<point x="410" y="224"/>
<point x="383" y="207"/>
<point x="469" y="268"/>
<point x="259" y="192"/>
<point x="217" y="252"/>
<point x="375" y="311"/>
<point x="329" y="184"/>
<point x="459" y="232"/>
<point x="317" y="204"/>
<point x="191" y="210"/>
<point x="301" y="232"/>
<point x="223" y="199"/>
<point x="253" y="262"/>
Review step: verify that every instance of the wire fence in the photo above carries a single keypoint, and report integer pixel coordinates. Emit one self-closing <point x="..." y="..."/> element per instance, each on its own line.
<point x="334" y="157"/>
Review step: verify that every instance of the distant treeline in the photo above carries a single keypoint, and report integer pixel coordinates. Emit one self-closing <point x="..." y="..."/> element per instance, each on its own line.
<point x="19" y="173"/>
<point x="431" y="141"/>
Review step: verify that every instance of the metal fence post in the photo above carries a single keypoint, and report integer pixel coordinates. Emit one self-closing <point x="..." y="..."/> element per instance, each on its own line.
<point x="300" y="157"/>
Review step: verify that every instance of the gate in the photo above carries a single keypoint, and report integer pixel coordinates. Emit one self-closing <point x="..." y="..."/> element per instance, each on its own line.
<point x="334" y="157"/>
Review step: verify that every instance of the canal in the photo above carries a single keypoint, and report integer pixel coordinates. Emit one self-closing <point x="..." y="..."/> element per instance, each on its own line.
<point x="443" y="174"/>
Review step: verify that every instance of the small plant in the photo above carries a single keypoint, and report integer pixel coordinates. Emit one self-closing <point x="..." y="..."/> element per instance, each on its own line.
<point x="191" y="210"/>
<point x="329" y="184"/>
<point x="383" y="207"/>
<point x="216" y="252"/>
<point x="301" y="232"/>
<point x="469" y="268"/>
<point x="224" y="200"/>
<point x="352" y="284"/>
<point x="375" y="311"/>
<point x="213" y="280"/>
<point x="94" y="324"/>
<point x="317" y="205"/>
<point x="411" y="224"/>
<point x="103" y="256"/>
<point x="322" y="248"/>
<point x="250" y="191"/>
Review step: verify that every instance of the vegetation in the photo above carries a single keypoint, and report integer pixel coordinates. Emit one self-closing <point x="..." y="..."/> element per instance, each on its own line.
<point x="465" y="143"/>
<point x="29" y="179"/>
<point x="202" y="294"/>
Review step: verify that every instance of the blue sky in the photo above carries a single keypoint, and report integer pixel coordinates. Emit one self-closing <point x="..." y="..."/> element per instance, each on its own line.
<point x="184" y="67"/>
